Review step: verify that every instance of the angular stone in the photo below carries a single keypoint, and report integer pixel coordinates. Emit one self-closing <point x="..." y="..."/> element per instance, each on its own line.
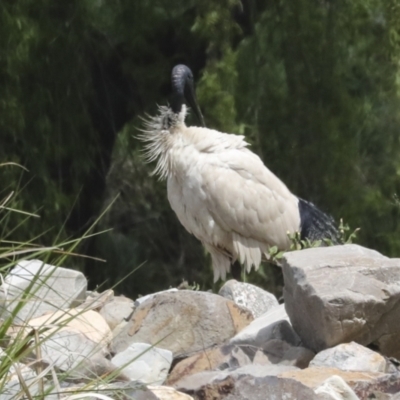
<point x="183" y="322"/>
<point x="144" y="363"/>
<point x="195" y="381"/>
<point x="365" y="385"/>
<point x="249" y="386"/>
<point x="89" y="323"/>
<point x="113" y="390"/>
<point x="387" y="384"/>
<point x="142" y="299"/>
<point x="91" y="368"/>
<point x="168" y="393"/>
<point x="257" y="300"/>
<point x="336" y="388"/>
<point x="119" y="309"/>
<point x="209" y="359"/>
<point x="68" y="338"/>
<point x="236" y="356"/>
<point x="53" y="288"/>
<point x="274" y="324"/>
<point x="343" y="293"/>
<point x="281" y="352"/>
<point x="350" y="357"/>
<point x="95" y="301"/>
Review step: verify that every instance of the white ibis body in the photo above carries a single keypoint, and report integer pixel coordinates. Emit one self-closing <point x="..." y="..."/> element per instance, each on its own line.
<point x="221" y="191"/>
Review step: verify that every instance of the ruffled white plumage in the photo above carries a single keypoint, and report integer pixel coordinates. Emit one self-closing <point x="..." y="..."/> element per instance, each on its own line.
<point x="221" y="192"/>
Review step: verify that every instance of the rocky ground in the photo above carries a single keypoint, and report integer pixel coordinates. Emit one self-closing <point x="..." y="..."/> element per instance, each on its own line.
<point x="337" y="335"/>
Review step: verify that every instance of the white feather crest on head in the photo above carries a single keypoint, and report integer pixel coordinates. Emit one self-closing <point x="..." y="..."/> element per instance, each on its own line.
<point x="157" y="135"/>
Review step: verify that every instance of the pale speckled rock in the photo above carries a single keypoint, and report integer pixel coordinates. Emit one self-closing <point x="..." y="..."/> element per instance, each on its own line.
<point x="257" y="300"/>
<point x="168" y="393"/>
<point x="274" y="324"/>
<point x="118" y="310"/>
<point x="336" y="388"/>
<point x="144" y="363"/>
<point x="183" y="322"/>
<point x="350" y="357"/>
<point x="54" y="288"/>
<point x="343" y="293"/>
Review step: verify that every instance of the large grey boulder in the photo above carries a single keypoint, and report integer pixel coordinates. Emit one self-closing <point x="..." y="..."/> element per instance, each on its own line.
<point x="183" y="322"/>
<point x="257" y="300"/>
<point x="52" y="288"/>
<point x="343" y="293"/>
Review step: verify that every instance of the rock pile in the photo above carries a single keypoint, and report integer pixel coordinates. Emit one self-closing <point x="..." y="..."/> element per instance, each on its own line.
<point x="239" y="344"/>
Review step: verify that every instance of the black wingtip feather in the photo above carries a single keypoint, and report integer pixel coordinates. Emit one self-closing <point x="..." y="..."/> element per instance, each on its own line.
<point x="315" y="224"/>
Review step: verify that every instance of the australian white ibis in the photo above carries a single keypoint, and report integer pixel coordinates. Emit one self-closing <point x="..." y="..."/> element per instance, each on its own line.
<point x="221" y="191"/>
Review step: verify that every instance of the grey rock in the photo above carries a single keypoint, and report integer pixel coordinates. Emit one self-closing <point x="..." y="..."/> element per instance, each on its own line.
<point x="91" y="368"/>
<point x="343" y="293"/>
<point x="142" y="299"/>
<point x="54" y="288"/>
<point x="233" y="357"/>
<point x="249" y="386"/>
<point x="195" y="381"/>
<point x="68" y="338"/>
<point x="366" y="385"/>
<point x="67" y="349"/>
<point x="281" y="352"/>
<point x="183" y="322"/>
<point x="113" y="390"/>
<point x="168" y="393"/>
<point x="144" y="363"/>
<point x="119" y="309"/>
<point x="257" y="300"/>
<point x="336" y="388"/>
<point x="387" y="384"/>
<point x="11" y="385"/>
<point x="95" y="301"/>
<point x="351" y="357"/>
<point x="272" y="325"/>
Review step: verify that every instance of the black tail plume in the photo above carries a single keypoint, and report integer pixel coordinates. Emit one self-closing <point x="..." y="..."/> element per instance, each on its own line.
<point x="315" y="224"/>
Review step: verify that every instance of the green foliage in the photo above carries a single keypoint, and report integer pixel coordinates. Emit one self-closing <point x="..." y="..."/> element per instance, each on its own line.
<point x="314" y="86"/>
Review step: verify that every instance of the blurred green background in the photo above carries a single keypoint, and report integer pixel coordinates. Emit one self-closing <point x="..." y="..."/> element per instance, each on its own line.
<point x="313" y="84"/>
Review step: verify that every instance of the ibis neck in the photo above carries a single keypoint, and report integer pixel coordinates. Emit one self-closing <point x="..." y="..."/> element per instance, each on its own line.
<point x="177" y="100"/>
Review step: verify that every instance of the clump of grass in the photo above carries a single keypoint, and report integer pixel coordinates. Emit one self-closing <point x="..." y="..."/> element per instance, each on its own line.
<point x="23" y="375"/>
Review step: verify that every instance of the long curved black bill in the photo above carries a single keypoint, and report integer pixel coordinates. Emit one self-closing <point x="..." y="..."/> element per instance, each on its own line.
<point x="190" y="96"/>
